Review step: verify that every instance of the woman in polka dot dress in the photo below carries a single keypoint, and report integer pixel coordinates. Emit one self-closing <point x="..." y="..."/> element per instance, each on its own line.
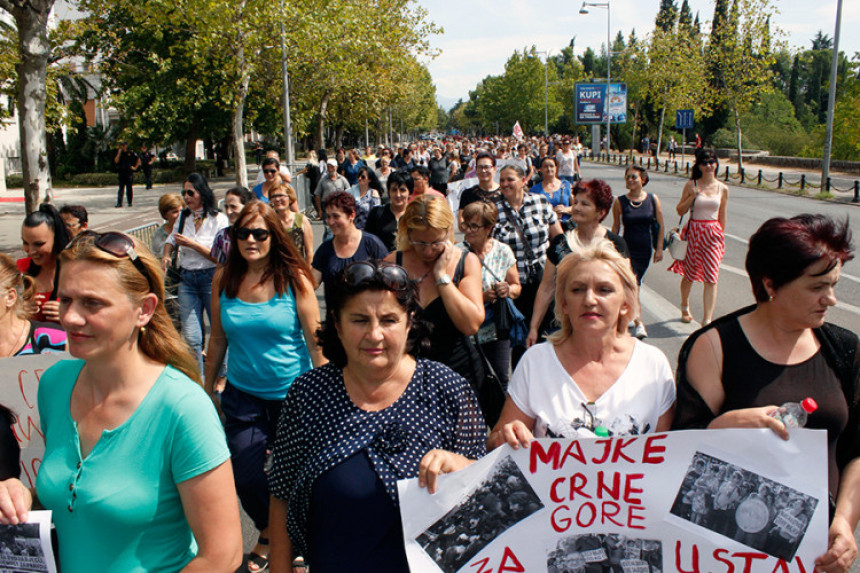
<point x="349" y="430"/>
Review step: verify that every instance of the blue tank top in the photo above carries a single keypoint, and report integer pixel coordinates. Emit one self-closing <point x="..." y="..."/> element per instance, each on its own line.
<point x="267" y="345"/>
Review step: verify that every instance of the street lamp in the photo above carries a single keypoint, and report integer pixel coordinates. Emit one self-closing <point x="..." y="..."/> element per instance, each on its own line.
<point x="545" y="92"/>
<point x="584" y="10"/>
<point x="831" y="100"/>
<point x="288" y="135"/>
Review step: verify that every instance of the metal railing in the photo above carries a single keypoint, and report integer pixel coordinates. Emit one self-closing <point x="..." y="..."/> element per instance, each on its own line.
<point x="741" y="176"/>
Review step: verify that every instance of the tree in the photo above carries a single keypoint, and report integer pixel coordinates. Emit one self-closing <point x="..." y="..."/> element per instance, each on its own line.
<point x="31" y="21"/>
<point x="741" y="59"/>
<point x="667" y="15"/>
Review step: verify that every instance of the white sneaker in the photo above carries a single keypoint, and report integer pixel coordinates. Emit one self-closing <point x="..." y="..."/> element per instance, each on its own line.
<point x="640" y="331"/>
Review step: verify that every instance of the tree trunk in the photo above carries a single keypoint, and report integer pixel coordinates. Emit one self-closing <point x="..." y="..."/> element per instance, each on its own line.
<point x="191" y="149"/>
<point x="740" y="137"/>
<point x="660" y="132"/>
<point x="31" y="18"/>
<point x="635" y="123"/>
<point x="238" y="117"/>
<point x="320" y="139"/>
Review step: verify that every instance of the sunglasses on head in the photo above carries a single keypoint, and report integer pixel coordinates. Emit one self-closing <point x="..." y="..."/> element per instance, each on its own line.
<point x="117" y="244"/>
<point x="393" y="276"/>
<point x="242" y="234"/>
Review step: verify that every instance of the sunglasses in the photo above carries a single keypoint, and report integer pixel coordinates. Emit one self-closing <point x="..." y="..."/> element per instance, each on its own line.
<point x="270" y="171"/>
<point x="471" y="227"/>
<point x="393" y="276"/>
<point x="188" y="192"/>
<point x="709" y="162"/>
<point x="117" y="244"/>
<point x="242" y="234"/>
<point x="277" y="197"/>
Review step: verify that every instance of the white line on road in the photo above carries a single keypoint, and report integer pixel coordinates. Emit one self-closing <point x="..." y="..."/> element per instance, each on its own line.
<point x="665" y="311"/>
<point x="840" y="305"/>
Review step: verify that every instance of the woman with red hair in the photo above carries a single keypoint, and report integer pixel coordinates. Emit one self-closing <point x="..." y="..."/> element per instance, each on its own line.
<point x="735" y="372"/>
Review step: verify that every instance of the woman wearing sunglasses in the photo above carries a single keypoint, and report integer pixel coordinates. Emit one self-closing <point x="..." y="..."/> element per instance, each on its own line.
<point x="271" y="178"/>
<point x="349" y="430"/>
<point x="449" y="283"/>
<point x="707" y="200"/>
<point x="265" y="309"/>
<point x="200" y="223"/>
<point x="136" y="469"/>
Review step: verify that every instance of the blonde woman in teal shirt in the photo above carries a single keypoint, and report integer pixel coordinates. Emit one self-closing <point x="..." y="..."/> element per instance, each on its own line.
<point x="136" y="469"/>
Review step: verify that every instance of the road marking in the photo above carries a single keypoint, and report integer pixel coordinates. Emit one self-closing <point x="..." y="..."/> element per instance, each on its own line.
<point x="746" y="242"/>
<point x="667" y="313"/>
<point x="840" y="305"/>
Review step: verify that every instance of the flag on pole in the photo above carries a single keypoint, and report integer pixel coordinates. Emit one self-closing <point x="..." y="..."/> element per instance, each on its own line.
<point x="518" y="131"/>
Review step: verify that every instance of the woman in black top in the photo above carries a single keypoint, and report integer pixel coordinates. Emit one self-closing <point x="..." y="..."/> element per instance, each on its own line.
<point x="736" y="371"/>
<point x="382" y="219"/>
<point x="591" y="203"/>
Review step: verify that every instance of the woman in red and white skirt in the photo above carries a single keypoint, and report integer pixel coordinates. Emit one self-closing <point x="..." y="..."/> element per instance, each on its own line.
<point x="707" y="199"/>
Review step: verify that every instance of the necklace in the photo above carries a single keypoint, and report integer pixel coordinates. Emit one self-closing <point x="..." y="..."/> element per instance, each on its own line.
<point x="636" y="204"/>
<point x="18" y="341"/>
<point x="422" y="277"/>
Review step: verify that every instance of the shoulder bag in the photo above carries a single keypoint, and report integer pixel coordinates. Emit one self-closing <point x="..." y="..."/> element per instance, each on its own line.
<point x="676" y="240"/>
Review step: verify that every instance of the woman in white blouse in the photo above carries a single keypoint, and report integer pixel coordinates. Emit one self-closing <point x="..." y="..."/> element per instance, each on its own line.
<point x="193" y="235"/>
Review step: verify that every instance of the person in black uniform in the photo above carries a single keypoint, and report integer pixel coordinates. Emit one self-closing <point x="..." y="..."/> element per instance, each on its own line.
<point x="127" y="162"/>
<point x="146" y="159"/>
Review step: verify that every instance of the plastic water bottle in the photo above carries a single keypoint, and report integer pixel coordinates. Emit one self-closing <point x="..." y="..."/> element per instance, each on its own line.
<point x="794" y="414"/>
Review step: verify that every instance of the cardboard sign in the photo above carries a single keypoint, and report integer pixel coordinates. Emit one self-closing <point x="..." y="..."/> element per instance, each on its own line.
<point x="19" y="383"/>
<point x="634" y="504"/>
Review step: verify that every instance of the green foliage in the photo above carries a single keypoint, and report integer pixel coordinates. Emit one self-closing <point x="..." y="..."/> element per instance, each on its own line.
<point x="771" y="125"/>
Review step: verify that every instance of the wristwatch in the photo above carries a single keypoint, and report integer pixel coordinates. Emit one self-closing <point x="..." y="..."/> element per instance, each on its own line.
<point x="443" y="280"/>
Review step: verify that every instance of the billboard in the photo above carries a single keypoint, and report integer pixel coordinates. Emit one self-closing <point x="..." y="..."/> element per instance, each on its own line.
<point x="591" y="103"/>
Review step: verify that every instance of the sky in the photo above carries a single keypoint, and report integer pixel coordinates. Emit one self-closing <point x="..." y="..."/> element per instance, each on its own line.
<point x="480" y="35"/>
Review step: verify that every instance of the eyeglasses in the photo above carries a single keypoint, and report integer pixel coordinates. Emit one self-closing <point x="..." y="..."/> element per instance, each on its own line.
<point x="188" y="192"/>
<point x="393" y="276"/>
<point x="471" y="227"/>
<point x="423" y="245"/>
<point x="484" y="167"/>
<point x="270" y="171"/>
<point x="117" y="244"/>
<point x="279" y="196"/>
<point x="242" y="234"/>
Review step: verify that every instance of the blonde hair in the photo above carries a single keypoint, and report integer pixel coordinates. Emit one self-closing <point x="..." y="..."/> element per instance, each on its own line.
<point x="605" y="252"/>
<point x="168" y="202"/>
<point x="159" y="340"/>
<point x="422" y="213"/>
<point x="25" y="286"/>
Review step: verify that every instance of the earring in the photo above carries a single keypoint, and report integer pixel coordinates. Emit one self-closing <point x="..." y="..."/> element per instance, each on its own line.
<point x="770" y="298"/>
<point x="142" y="329"/>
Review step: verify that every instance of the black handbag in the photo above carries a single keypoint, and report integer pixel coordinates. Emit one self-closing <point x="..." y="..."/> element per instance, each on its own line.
<point x="172" y="277"/>
<point x="491" y="396"/>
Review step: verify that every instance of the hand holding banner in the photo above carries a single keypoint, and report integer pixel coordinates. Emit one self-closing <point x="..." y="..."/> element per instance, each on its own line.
<point x="674" y="502"/>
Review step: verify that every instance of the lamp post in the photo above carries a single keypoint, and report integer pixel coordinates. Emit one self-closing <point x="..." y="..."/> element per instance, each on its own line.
<point x="584" y="10"/>
<point x="288" y="135"/>
<point x="831" y="100"/>
<point x="545" y="92"/>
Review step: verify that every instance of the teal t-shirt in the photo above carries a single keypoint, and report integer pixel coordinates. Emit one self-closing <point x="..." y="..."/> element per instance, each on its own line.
<point x="267" y="345"/>
<point x="119" y="508"/>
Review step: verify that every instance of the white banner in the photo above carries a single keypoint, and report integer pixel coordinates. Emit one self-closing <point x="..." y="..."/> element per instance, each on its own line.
<point x="719" y="501"/>
<point x="19" y="381"/>
<point x="26" y="547"/>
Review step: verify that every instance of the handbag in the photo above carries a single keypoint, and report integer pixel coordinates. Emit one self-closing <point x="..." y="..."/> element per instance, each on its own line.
<point x="676" y="240"/>
<point x="510" y="322"/>
<point x="172" y="277"/>
<point x="491" y="396"/>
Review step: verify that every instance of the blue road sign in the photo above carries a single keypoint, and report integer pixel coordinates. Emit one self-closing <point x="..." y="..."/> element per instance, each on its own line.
<point x="684" y="119"/>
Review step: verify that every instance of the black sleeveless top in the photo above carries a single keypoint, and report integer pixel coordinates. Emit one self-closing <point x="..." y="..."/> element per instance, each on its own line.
<point x="750" y="381"/>
<point x="447" y="344"/>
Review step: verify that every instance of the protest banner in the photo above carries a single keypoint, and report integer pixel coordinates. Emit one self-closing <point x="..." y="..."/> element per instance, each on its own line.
<point x="19" y="380"/>
<point x="26" y="547"/>
<point x="716" y="501"/>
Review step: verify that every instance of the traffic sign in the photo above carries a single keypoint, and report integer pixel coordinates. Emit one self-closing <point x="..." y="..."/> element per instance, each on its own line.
<point x="684" y="119"/>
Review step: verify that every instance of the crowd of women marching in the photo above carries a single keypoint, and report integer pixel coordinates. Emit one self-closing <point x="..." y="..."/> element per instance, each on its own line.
<point x="427" y="352"/>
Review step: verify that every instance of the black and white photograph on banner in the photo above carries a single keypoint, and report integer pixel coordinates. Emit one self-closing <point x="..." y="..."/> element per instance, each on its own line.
<point x="498" y="503"/>
<point x="605" y="553"/>
<point x="743" y="505"/>
<point x="26" y="547"/>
